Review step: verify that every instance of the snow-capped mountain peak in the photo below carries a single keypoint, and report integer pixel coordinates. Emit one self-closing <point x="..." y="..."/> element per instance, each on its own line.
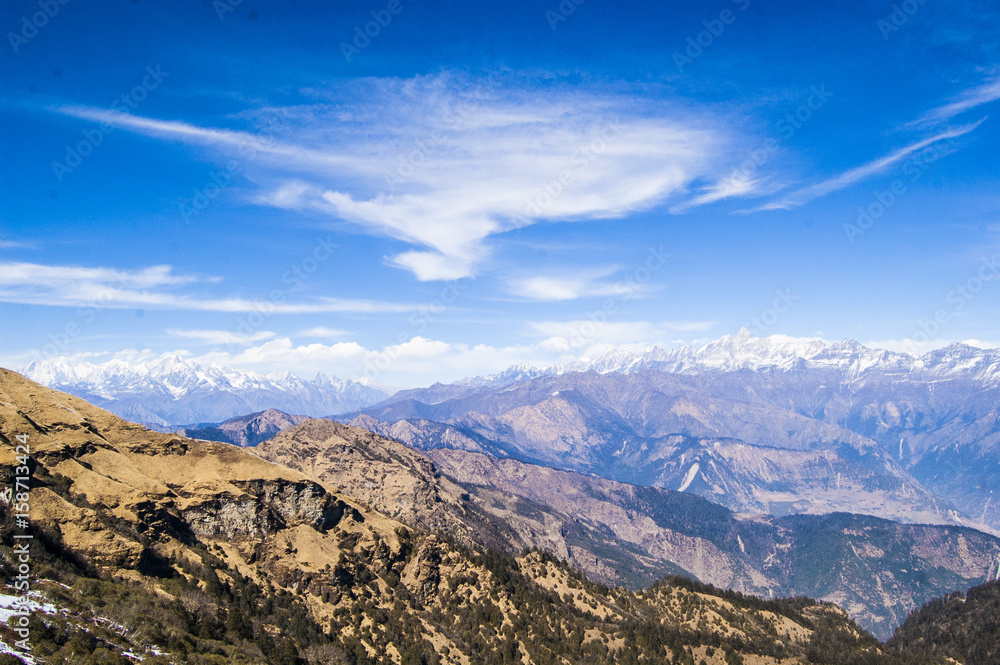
<point x="174" y="391"/>
<point x="744" y="352"/>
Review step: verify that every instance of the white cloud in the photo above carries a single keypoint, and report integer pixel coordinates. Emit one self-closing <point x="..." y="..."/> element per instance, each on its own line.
<point x="443" y="164"/>
<point x="592" y="337"/>
<point x="806" y="194"/>
<point x="908" y="345"/>
<point x="282" y="352"/>
<point x="247" y="144"/>
<point x="42" y="276"/>
<point x="324" y="332"/>
<point x="153" y="288"/>
<point x="413" y="360"/>
<point x="981" y="344"/>
<point x="737" y="184"/>
<point x="689" y="326"/>
<point x="969" y="99"/>
<point x="571" y="286"/>
<point x="221" y="336"/>
<point x="420" y="360"/>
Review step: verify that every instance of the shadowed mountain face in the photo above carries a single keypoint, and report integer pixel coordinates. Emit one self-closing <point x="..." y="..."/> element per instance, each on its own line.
<point x="193" y="552"/>
<point x="626" y="534"/>
<point x="835" y="427"/>
<point x="243" y="431"/>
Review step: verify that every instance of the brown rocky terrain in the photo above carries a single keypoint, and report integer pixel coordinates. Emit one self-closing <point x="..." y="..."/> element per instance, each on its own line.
<point x="627" y="534"/>
<point x="188" y="551"/>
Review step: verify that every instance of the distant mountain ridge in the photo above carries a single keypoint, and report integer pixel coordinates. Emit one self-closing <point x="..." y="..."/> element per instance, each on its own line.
<point x="929" y="422"/>
<point x="927" y="427"/>
<point x="175" y="391"/>
<point x="243" y="431"/>
<point x="734" y="353"/>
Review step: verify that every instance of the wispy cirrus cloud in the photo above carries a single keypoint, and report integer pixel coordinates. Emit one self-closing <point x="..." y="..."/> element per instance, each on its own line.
<point x="445" y="162"/>
<point x="245" y="144"/>
<point x="985" y="93"/>
<point x="323" y="332"/>
<point x="740" y="184"/>
<point x="737" y="184"/>
<point x="156" y="287"/>
<point x="587" y="337"/>
<point x="555" y="287"/>
<point x="217" y="337"/>
<point x="51" y="277"/>
<point x="804" y="195"/>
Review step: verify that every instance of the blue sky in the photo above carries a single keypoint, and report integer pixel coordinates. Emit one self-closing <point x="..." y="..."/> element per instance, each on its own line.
<point x="472" y="185"/>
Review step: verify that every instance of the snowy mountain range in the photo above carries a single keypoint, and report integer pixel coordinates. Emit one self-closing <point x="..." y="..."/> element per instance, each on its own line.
<point x="733" y="353"/>
<point x="919" y="436"/>
<point x="851" y="361"/>
<point x="175" y="391"/>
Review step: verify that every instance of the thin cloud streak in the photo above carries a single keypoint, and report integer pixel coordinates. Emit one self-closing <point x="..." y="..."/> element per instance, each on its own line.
<point x="734" y="185"/>
<point x="969" y="99"/>
<point x="222" y="336"/>
<point x="244" y="141"/>
<point x="807" y="194"/>
<point x="547" y="288"/>
<point x="75" y="286"/>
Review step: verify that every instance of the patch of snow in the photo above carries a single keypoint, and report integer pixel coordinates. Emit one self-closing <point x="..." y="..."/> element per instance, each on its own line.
<point x="689" y="478"/>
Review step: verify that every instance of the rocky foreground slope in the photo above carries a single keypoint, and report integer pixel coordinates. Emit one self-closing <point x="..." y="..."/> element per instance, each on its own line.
<point x="183" y="551"/>
<point x="630" y="535"/>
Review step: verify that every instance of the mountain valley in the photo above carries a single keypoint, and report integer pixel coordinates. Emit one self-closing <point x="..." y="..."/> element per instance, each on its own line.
<point x="187" y="551"/>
